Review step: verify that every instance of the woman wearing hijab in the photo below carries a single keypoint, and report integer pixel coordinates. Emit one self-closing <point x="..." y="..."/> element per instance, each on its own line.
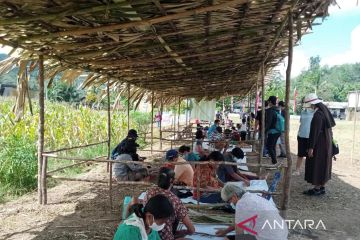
<point x="319" y="160"/>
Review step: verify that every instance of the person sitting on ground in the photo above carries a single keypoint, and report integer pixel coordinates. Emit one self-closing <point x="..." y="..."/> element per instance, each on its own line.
<point x="187" y="154"/>
<point x="165" y="182"/>
<point x="230" y="173"/>
<point x="119" y="149"/>
<point x="184" y="173"/>
<point x="125" y="171"/>
<point x="208" y="180"/>
<point x="144" y="222"/>
<point x="213" y="127"/>
<point x="248" y="205"/>
<point x="227" y="134"/>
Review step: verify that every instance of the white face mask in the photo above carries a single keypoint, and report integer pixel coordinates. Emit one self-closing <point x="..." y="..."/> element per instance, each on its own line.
<point x="156" y="227"/>
<point x="233" y="206"/>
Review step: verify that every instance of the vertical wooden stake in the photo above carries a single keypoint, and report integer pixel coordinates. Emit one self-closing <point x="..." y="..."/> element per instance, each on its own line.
<point x="109" y="165"/>
<point x="187" y="112"/>
<point x="287" y="177"/>
<point x="178" y="123"/>
<point x="128" y="107"/>
<point x="355" y="118"/>
<point x="161" y="116"/>
<point x="44" y="180"/>
<point x="152" y="121"/>
<point x="262" y="140"/>
<point x="41" y="125"/>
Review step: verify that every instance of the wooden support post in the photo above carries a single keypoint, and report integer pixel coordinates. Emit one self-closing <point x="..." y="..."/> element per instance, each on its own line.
<point x="128" y="107"/>
<point x="41" y="126"/>
<point x="161" y="116"/>
<point x="287" y="176"/>
<point x="187" y="112"/>
<point x="263" y="137"/>
<point x="178" y="122"/>
<point x="152" y="122"/>
<point x="354" y="131"/>
<point x="44" y="180"/>
<point x="109" y="165"/>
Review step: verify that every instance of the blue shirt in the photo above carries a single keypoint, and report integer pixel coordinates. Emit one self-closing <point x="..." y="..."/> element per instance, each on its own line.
<point x="305" y="123"/>
<point x="211" y="129"/>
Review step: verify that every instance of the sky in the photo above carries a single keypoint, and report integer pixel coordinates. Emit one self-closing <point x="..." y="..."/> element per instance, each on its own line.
<point x="336" y="40"/>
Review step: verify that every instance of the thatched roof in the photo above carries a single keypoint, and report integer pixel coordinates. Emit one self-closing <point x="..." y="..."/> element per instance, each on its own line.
<point x="193" y="48"/>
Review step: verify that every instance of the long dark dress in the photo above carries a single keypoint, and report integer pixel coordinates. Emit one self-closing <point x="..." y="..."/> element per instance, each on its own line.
<point x="318" y="168"/>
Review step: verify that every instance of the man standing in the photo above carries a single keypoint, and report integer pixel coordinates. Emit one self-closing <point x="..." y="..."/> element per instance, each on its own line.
<point x="258" y="125"/>
<point x="282" y="136"/>
<point x="270" y="128"/>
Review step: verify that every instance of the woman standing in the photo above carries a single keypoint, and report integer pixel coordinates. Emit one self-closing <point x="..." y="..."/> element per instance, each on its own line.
<point x="303" y="135"/>
<point x="319" y="160"/>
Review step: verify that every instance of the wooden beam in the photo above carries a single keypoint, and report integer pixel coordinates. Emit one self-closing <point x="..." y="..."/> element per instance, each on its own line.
<point x="41" y="128"/>
<point x="287" y="183"/>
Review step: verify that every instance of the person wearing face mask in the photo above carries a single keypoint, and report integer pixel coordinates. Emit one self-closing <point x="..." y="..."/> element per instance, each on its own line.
<point x="319" y="158"/>
<point x="303" y="135"/>
<point x="248" y="205"/>
<point x="144" y="222"/>
<point x="165" y="182"/>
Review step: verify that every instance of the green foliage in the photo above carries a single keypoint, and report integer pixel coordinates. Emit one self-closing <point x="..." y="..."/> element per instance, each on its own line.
<point x="63" y="92"/>
<point x="65" y="126"/>
<point x="18" y="164"/>
<point x="330" y="83"/>
<point x="276" y="87"/>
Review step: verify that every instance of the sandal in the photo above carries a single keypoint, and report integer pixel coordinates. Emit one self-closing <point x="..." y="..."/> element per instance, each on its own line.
<point x="314" y="192"/>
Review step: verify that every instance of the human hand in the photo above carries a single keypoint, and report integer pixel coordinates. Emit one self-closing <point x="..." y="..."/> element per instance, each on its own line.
<point x="311" y="152"/>
<point x="221" y="232"/>
<point x="247" y="183"/>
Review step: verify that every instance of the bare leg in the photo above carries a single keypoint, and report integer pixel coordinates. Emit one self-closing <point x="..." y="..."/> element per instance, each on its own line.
<point x="298" y="166"/>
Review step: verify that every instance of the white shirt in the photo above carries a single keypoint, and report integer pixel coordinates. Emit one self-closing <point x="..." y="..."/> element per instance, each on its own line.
<point x="267" y="220"/>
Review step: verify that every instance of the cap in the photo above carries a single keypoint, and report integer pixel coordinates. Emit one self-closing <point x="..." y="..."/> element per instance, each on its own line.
<point x="312" y="98"/>
<point x="172" y="153"/>
<point x="132" y="133"/>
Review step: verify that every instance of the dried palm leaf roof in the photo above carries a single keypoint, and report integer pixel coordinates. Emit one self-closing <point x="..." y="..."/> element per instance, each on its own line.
<point x="193" y="48"/>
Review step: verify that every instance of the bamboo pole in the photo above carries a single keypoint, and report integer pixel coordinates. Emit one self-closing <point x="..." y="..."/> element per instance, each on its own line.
<point x="76" y="147"/>
<point x="152" y="122"/>
<point x="187" y="112"/>
<point x="263" y="134"/>
<point x="161" y="117"/>
<point x="109" y="165"/>
<point x="41" y="126"/>
<point x="44" y="180"/>
<point x="161" y="161"/>
<point x="354" y="131"/>
<point x="287" y="177"/>
<point x="179" y="108"/>
<point x="128" y="107"/>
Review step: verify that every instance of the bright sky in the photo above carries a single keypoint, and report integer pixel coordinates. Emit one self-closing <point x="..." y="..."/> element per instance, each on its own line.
<point x="336" y="40"/>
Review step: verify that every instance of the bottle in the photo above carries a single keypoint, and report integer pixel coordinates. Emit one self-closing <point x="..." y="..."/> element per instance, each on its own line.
<point x="127" y="200"/>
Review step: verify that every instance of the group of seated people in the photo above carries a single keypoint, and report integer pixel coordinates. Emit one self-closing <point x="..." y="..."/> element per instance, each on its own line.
<point x="159" y="214"/>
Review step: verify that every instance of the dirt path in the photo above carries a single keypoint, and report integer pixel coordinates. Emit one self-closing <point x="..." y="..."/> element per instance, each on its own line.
<point x="79" y="210"/>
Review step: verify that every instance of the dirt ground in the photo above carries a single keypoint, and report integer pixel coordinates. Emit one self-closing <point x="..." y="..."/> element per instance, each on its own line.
<point x="80" y="210"/>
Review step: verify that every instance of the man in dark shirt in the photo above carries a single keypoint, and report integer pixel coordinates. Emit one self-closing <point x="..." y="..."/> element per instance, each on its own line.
<point x="258" y="126"/>
<point x="119" y="149"/>
<point x="270" y="128"/>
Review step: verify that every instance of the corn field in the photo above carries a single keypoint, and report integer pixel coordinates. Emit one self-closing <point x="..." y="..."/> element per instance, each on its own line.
<point x="65" y="126"/>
